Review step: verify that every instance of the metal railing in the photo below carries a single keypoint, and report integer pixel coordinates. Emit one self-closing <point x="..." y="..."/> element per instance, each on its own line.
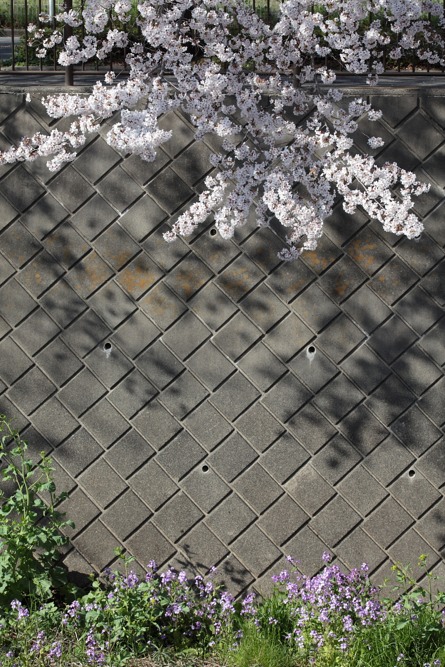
<point x="16" y="56"/>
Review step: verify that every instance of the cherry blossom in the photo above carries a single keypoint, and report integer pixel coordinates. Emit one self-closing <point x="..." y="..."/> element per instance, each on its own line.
<point x="267" y="92"/>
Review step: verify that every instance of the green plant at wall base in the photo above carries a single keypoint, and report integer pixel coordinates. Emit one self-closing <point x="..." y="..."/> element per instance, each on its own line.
<point x="30" y="537"/>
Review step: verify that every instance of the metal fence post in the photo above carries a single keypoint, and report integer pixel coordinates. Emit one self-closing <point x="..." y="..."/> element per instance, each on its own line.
<point x="67" y="32"/>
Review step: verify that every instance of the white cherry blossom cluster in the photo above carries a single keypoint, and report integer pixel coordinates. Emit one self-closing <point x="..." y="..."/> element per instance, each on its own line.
<point x="266" y="91"/>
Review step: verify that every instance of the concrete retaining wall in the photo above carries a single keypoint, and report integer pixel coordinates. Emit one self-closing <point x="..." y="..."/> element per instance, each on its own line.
<point x="203" y="402"/>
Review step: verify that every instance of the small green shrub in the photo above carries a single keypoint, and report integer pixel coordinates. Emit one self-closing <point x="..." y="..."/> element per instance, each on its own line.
<point x="30" y="537"/>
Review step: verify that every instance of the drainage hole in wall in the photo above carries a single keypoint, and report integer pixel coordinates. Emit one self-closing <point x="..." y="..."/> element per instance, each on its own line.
<point x="107" y="347"/>
<point x="411" y="473"/>
<point x="311" y="349"/>
<point x="213" y="232"/>
<point x="205" y="468"/>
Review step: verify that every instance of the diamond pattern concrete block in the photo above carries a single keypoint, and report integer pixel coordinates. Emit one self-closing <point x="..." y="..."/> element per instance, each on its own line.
<point x="66" y="245"/>
<point x="334" y="520"/>
<point x="54" y="422"/>
<point x="309" y="489"/>
<point x="97" y="545"/>
<point x="84" y="334"/>
<point x="419" y="310"/>
<point x="433" y="166"/>
<point x="239" y="278"/>
<point x="362" y="490"/>
<point x="339" y="227"/>
<point x="413" y="491"/>
<point x="321" y="259"/>
<point x="289" y="279"/>
<point x="63" y="304"/>
<point x="125" y="515"/>
<point x="391" y="339"/>
<point x="210" y="365"/>
<point x="105" y="423"/>
<point x="417" y="370"/>
<point x="183" y="395"/>
<point x="398" y="152"/>
<point x="102" y="482"/>
<point x="35" y="332"/>
<point x="169" y="191"/>
<point x="366" y="309"/>
<point x="237" y="336"/>
<point x="433" y="283"/>
<point x="205" y="488"/>
<point x="311" y="428"/>
<point x="109" y="365"/>
<point x="80" y="506"/>
<point x="180" y="456"/>
<point x="416" y="431"/>
<point x="71" y="188"/>
<point x="17" y="419"/>
<point x="186" y="335"/>
<point x="82" y="392"/>
<point x="388" y="461"/>
<point x="411" y="543"/>
<point x="153" y="485"/>
<point x="390" y="400"/>
<point x="202" y="549"/>
<point x="207" y="425"/>
<point x="433" y="402"/>
<point x="112" y="304"/>
<point x="336" y="459"/>
<point x="120" y="191"/>
<point x="262" y="367"/>
<point x="264" y="308"/>
<point x="286" y="397"/>
<point x="89" y="274"/>
<point x="8" y="212"/>
<point x="432" y="526"/>
<point x="78" y="452"/>
<point x="315" y="308"/>
<point x="31" y="390"/>
<point x="215" y="251"/>
<point x="193" y="164"/>
<point x="15" y="302"/>
<point x="230" y="518"/>
<point x="22" y="189"/>
<point x="139" y="276"/>
<point x="136" y="334"/>
<point x="132" y="394"/>
<point x="284" y="458"/>
<point x="142" y="171"/>
<point x="4" y="327"/>
<point x="363" y="429"/>
<point x="395" y="108"/>
<point x="177" y="516"/>
<point x="41" y="218"/>
<point x="162" y="306"/>
<point x="142" y="218"/>
<point x="166" y="255"/>
<point x="257" y="488"/>
<point x="338" y="398"/>
<point x="96" y="160"/>
<point x="212" y="306"/>
<point x="314" y="371"/>
<point x="116" y="246"/>
<point x="40" y="274"/>
<point x="288" y="337"/>
<point x="14" y="361"/>
<point x="6" y="270"/>
<point x="365" y="369"/>
<point x="421" y="255"/>
<point x="149" y="544"/>
<point x="343" y="278"/>
<point x="368" y="251"/>
<point x="234" y="396"/>
<point x="420" y="135"/>
<point x="259" y="427"/>
<point x="307" y="549"/>
<point x="387" y="523"/>
<point x="181" y="137"/>
<point x="255" y="550"/>
<point x="156" y="424"/>
<point x="359" y="548"/>
<point x="19" y="245"/>
<point x="391" y="282"/>
<point x="95" y="216"/>
<point x="432" y="343"/>
<point x="432" y="464"/>
<point x="129" y="453"/>
<point x="282" y="520"/>
<point x="233" y="575"/>
<point x="232" y="457"/>
<point x="340" y="338"/>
